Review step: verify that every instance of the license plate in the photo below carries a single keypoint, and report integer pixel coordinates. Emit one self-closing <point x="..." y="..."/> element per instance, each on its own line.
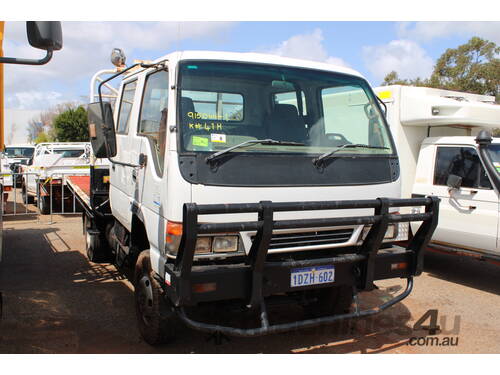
<point x="312" y="276"/>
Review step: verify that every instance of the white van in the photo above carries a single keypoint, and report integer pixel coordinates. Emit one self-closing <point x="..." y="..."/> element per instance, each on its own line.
<point x="435" y="132"/>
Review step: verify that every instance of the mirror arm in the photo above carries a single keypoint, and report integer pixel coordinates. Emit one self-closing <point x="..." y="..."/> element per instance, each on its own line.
<point x="15" y="60"/>
<point x="382" y="102"/>
<point x="123" y="163"/>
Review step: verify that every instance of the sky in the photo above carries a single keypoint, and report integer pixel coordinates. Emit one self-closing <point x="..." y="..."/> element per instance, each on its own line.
<point x="373" y="48"/>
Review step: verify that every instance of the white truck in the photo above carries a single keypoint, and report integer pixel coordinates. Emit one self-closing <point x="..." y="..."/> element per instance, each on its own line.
<point x="44" y="178"/>
<point x="237" y="180"/>
<point x="16" y="156"/>
<point x="7" y="180"/>
<point x="436" y="136"/>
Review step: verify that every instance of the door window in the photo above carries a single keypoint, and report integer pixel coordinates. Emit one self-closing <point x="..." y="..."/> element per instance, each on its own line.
<point x="153" y="118"/>
<point x="463" y="162"/>
<point x="126" y="107"/>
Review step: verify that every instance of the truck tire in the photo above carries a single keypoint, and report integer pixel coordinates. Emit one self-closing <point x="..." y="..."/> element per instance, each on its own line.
<point x="28" y="199"/>
<point x="330" y="301"/>
<point x="155" y="317"/>
<point x="44" y="205"/>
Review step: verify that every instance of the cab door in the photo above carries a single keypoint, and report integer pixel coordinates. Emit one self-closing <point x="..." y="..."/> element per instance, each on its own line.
<point x="122" y="187"/>
<point x="468" y="215"/>
<point x="149" y="180"/>
<point x="151" y="134"/>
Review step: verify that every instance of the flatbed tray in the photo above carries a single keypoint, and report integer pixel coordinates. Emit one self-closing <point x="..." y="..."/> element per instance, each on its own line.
<point x="81" y="187"/>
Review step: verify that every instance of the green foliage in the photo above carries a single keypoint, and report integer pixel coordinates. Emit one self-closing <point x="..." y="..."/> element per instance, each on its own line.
<point x="393" y="79"/>
<point x="71" y="125"/>
<point x="43" y="137"/>
<point x="472" y="67"/>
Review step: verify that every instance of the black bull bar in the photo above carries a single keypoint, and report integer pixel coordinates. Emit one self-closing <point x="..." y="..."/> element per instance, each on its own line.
<point x="363" y="265"/>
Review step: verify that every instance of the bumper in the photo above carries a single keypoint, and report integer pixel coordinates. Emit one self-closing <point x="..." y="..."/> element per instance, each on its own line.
<point x="232" y="281"/>
<point x="256" y="277"/>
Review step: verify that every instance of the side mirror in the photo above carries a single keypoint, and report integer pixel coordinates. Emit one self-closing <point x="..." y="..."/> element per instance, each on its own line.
<point x="454" y="181"/>
<point x="46" y="35"/>
<point x="102" y="130"/>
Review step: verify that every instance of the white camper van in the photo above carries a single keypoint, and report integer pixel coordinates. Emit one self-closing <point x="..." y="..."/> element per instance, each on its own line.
<point x="238" y="180"/>
<point x="435" y="133"/>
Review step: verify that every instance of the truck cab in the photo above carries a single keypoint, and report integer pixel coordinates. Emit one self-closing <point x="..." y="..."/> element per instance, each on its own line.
<point x="244" y="177"/>
<point x="452" y="169"/>
<point x="435" y="133"/>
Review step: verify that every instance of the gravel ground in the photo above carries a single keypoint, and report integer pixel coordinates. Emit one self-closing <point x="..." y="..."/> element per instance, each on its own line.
<point x="56" y="301"/>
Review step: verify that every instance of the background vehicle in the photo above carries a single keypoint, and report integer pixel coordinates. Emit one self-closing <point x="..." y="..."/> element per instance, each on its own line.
<point x="435" y="132"/>
<point x="45" y="178"/>
<point x="242" y="180"/>
<point x="16" y="156"/>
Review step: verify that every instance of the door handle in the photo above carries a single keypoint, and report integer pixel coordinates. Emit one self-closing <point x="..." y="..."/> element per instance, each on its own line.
<point x="472" y="208"/>
<point x="134" y="175"/>
<point x="113" y="167"/>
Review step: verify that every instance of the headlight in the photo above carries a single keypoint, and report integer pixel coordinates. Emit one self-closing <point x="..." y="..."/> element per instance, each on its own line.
<point x="225" y="244"/>
<point x="395" y="232"/>
<point x="204" y="245"/>
<point x="390" y="233"/>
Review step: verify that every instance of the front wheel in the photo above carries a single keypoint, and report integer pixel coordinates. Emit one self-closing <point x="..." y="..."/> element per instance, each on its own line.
<point x="27" y="199"/>
<point x="155" y="316"/>
<point x="44" y="205"/>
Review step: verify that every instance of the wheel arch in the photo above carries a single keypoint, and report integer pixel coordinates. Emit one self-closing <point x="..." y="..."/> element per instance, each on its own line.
<point x="138" y="238"/>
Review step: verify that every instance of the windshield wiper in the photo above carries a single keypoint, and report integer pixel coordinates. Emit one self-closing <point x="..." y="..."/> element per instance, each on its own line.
<point x="250" y="142"/>
<point x="319" y="160"/>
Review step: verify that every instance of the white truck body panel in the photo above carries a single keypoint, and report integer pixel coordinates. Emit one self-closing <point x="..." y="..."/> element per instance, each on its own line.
<point x="422" y="119"/>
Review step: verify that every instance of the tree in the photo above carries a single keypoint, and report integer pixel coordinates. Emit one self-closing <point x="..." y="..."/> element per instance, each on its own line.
<point x="35" y="127"/>
<point x="71" y="125"/>
<point x="42" y="137"/>
<point x="471" y="67"/>
<point x="43" y="123"/>
<point x="393" y="79"/>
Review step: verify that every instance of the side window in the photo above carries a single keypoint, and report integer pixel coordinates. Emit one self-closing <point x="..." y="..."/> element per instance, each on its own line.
<point x="126" y="103"/>
<point x="153" y="118"/>
<point x="463" y="162"/>
<point x="291" y="98"/>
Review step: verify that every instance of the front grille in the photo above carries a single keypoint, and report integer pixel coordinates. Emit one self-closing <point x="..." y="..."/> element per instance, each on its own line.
<point x="320" y="237"/>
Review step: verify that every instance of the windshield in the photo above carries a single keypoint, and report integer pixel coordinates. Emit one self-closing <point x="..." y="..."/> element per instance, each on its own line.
<point x="494" y="152"/>
<point x="69" y="153"/>
<point x="225" y="104"/>
<point x="19" y="152"/>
